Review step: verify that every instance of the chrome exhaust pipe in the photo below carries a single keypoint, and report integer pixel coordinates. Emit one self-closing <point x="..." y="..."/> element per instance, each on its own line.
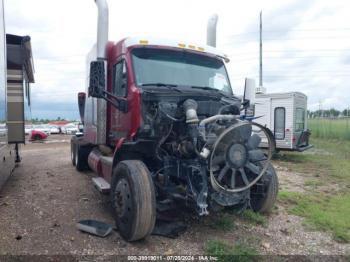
<point x="102" y="28"/>
<point x="211" y="30"/>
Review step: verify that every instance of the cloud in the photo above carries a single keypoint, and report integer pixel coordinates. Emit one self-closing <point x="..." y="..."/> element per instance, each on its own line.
<point x="303" y="42"/>
<point x="346" y="58"/>
<point x="279" y="22"/>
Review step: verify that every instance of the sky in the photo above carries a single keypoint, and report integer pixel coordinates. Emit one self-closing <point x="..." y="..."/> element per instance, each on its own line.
<point x="306" y="43"/>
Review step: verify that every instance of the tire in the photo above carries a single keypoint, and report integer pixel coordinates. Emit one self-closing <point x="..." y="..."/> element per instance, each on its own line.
<point x="264" y="203"/>
<point x="72" y="150"/>
<point x="37" y="137"/>
<point x="133" y="200"/>
<point x="81" y="157"/>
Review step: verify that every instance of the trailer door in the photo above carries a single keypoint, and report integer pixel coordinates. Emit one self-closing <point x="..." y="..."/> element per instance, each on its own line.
<point x="280" y="123"/>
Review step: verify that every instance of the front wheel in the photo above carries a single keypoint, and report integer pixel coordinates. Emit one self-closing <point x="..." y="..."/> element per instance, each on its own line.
<point x="133" y="200"/>
<point x="264" y="202"/>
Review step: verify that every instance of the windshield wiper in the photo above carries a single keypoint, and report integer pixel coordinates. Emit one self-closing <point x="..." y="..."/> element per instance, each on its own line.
<point x="170" y="86"/>
<point x="212" y="89"/>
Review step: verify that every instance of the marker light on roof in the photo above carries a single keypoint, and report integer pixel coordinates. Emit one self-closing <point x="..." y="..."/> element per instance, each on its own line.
<point x="170" y="43"/>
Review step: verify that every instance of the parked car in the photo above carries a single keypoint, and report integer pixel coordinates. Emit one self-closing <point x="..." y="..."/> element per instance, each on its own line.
<point x="42" y="128"/>
<point x="70" y="129"/>
<point x="37" y="135"/>
<point x="54" y="130"/>
<point x="28" y="129"/>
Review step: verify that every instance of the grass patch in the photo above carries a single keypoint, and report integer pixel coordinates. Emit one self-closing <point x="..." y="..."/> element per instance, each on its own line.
<point x="326" y="209"/>
<point x="329" y="161"/>
<point x="225" y="252"/>
<point x="330" y="128"/>
<point x="253" y="217"/>
<point x="224" y="223"/>
<point x="313" y="183"/>
<point x="329" y="214"/>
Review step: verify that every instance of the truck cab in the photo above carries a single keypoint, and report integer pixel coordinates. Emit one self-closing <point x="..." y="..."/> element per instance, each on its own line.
<point x="139" y="67"/>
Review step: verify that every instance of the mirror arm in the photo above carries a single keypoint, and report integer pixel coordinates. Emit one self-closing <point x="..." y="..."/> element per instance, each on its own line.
<point x="245" y="104"/>
<point x="105" y="97"/>
<point x="116" y="105"/>
<point x="111" y="95"/>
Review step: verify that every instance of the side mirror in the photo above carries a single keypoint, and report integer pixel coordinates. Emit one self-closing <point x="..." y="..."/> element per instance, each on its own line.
<point x="97" y="81"/>
<point x="249" y="91"/>
<point x="249" y="97"/>
<point x="81" y="104"/>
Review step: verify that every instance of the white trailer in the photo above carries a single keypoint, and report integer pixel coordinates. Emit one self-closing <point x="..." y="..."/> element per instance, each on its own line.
<point x="16" y="74"/>
<point x="285" y="114"/>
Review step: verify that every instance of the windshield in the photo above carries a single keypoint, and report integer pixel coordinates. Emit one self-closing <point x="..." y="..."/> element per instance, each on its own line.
<point x="179" y="68"/>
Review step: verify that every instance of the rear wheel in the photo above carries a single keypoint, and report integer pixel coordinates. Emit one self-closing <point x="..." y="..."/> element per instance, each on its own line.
<point x="133" y="200"/>
<point x="81" y="157"/>
<point x="264" y="202"/>
<point x="72" y="150"/>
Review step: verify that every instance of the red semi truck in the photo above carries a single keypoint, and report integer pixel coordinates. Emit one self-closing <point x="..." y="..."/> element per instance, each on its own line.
<point x="162" y="128"/>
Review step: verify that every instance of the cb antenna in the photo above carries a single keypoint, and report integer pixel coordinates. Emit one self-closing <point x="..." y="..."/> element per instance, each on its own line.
<point x="260" y="54"/>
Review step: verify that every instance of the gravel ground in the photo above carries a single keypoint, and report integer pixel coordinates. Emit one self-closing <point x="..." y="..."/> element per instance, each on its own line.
<point x="46" y="196"/>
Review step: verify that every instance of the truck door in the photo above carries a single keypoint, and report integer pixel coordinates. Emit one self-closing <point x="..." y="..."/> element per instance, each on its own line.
<point x="119" y="125"/>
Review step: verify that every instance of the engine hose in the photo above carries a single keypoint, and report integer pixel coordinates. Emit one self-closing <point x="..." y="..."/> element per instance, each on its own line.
<point x="172" y="118"/>
<point x="222" y="108"/>
<point x="161" y="142"/>
<point x="204" y="122"/>
<point x="271" y="147"/>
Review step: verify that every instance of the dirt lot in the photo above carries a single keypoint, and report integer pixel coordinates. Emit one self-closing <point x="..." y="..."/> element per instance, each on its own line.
<point x="46" y="196"/>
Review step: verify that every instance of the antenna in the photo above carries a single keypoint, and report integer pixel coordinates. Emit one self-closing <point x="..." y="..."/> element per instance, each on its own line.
<point x="260" y="53"/>
<point x="260" y="89"/>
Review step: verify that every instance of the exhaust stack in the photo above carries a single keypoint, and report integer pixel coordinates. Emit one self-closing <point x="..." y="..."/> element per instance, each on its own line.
<point x="211" y="30"/>
<point x="102" y="28"/>
<point x="98" y="107"/>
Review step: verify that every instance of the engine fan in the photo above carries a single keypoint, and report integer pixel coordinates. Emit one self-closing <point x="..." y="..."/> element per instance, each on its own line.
<point x="236" y="162"/>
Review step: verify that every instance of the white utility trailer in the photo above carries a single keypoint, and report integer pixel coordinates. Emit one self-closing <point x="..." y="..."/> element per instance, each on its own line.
<point x="285" y="114"/>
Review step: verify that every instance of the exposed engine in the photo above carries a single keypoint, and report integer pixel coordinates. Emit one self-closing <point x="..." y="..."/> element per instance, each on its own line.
<point x="206" y="154"/>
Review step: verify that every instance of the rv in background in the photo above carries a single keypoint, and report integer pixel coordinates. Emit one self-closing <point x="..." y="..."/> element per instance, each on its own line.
<point x="285" y="114"/>
<point x="16" y="74"/>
